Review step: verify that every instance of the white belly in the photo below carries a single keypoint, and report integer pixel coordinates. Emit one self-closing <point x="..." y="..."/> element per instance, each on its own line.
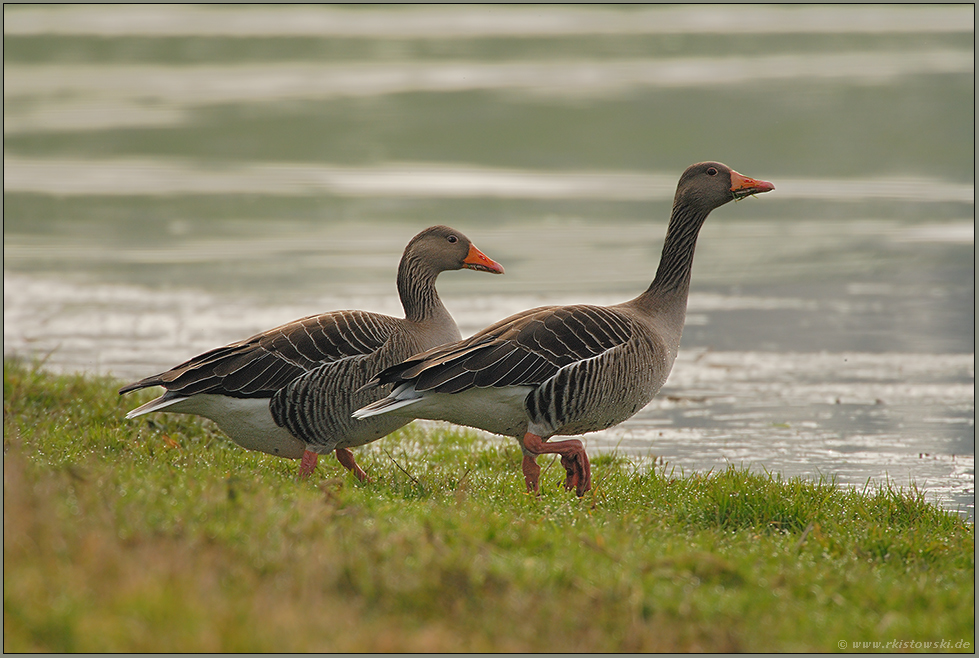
<point x="247" y="421"/>
<point x="496" y="410"/>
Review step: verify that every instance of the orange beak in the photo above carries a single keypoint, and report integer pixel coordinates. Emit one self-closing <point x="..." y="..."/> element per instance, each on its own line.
<point x="477" y="260"/>
<point x="742" y="186"/>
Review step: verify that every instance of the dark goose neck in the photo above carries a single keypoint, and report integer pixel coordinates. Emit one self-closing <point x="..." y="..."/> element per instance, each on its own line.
<point x="672" y="282"/>
<point x="416" y="287"/>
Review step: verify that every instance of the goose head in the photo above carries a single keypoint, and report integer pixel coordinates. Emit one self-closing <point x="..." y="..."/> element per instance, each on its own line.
<point x="442" y="249"/>
<point x="708" y="185"/>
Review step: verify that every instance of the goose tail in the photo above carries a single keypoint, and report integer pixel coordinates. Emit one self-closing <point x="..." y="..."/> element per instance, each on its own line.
<point x="383" y="406"/>
<point x="157" y="404"/>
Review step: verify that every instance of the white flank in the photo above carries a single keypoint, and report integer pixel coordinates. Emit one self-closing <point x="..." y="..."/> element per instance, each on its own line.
<point x="497" y="410"/>
<point x="247" y="421"/>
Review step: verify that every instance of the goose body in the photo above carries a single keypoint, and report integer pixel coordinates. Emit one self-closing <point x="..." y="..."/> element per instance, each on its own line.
<point x="290" y="391"/>
<point x="567" y="370"/>
<point x="531" y="367"/>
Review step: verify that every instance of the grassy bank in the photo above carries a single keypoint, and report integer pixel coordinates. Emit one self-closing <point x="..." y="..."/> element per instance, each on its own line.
<point x="161" y="535"/>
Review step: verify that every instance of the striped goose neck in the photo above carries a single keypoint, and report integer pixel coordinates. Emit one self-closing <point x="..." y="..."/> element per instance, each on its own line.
<point x="416" y="287"/>
<point x="673" y="275"/>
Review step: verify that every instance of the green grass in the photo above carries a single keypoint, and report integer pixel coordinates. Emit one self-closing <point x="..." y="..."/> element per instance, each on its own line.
<point x="161" y="535"/>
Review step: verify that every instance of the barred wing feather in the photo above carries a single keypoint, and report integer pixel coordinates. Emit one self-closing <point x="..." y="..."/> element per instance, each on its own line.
<point x="262" y="364"/>
<point x="526" y="349"/>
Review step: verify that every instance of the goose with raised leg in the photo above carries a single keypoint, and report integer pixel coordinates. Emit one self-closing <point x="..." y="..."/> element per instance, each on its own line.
<point x="567" y="370"/>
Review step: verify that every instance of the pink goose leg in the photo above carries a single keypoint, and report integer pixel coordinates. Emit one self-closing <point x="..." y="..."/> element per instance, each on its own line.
<point x="308" y="464"/>
<point x="346" y="459"/>
<point x="573" y="458"/>
<point x="344" y="456"/>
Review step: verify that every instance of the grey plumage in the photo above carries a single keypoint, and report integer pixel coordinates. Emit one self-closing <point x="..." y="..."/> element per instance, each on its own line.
<point x="262" y="364"/>
<point x="290" y="391"/>
<point x="567" y="370"/>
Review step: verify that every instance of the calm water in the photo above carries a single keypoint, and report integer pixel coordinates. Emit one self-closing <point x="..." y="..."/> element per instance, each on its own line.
<point x="179" y="177"/>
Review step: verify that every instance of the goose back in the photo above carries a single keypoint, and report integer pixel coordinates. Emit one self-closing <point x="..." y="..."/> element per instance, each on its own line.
<point x="260" y="365"/>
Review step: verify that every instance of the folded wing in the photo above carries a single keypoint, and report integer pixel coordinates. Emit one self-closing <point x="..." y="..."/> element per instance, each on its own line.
<point x="264" y="363"/>
<point x="524" y="349"/>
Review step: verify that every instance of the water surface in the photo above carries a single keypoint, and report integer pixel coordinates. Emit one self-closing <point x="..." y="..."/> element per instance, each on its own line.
<point x="176" y="178"/>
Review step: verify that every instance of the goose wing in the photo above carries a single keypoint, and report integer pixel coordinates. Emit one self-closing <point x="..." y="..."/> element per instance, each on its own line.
<point x="524" y="349"/>
<point x="264" y="363"/>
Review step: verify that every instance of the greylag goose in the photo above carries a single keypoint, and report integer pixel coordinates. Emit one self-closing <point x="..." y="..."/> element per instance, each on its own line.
<point x="290" y="391"/>
<point x="567" y="370"/>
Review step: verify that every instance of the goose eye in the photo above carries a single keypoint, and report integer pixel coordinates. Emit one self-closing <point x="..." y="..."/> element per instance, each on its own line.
<point x="711" y="172"/>
<point x="452" y="239"/>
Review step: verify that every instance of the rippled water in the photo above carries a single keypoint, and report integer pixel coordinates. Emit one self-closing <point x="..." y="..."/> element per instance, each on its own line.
<point x="176" y="178"/>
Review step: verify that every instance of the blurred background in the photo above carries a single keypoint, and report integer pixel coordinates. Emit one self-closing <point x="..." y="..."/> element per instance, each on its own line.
<point x="178" y="177"/>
